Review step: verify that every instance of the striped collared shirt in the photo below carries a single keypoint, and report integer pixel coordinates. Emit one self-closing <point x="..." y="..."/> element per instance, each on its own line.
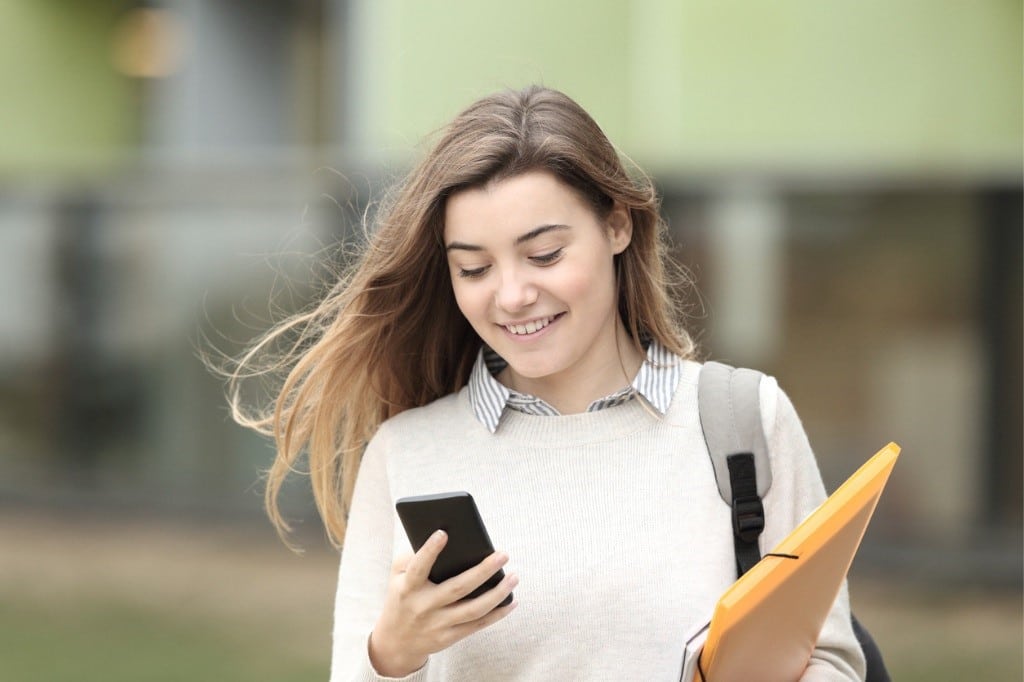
<point x="656" y="382"/>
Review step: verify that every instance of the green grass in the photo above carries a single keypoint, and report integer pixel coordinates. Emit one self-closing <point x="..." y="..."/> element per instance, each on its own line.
<point x="944" y="667"/>
<point x="86" y="639"/>
<point x="115" y="642"/>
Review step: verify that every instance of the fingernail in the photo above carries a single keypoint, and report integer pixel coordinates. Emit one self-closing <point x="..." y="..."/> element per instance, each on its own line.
<point x="437" y="536"/>
<point x="500" y="558"/>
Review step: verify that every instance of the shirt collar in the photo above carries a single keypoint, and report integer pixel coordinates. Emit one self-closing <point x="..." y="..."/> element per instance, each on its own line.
<point x="656" y="382"/>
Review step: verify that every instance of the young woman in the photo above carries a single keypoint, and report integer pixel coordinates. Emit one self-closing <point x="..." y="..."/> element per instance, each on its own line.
<point x="508" y="331"/>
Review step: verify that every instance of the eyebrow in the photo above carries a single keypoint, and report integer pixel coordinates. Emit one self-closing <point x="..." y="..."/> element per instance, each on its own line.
<point x="532" y="234"/>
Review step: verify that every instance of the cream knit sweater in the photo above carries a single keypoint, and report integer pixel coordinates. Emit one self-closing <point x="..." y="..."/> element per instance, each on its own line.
<point x="612" y="521"/>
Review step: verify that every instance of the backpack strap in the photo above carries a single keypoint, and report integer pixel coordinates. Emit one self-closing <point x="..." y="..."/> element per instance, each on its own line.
<point x="729" y="402"/>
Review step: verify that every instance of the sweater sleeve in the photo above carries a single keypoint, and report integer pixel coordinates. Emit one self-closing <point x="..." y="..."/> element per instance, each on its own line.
<point x="797" y="489"/>
<point x="366" y="558"/>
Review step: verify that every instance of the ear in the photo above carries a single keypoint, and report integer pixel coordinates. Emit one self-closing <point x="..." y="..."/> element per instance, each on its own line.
<point x="620" y="228"/>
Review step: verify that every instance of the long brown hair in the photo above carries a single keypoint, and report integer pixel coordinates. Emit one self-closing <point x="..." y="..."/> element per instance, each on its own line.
<point x="389" y="335"/>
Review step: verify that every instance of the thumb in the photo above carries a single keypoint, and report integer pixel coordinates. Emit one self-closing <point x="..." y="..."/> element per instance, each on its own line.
<point x="401" y="563"/>
<point x="418" y="568"/>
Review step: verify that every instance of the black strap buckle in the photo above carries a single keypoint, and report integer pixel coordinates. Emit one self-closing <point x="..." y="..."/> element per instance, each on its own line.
<point x="748" y="518"/>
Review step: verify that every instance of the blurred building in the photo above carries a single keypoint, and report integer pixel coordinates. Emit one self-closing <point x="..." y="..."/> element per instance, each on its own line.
<point x="845" y="185"/>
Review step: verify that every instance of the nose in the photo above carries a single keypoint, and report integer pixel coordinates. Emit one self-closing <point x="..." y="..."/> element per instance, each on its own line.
<point x="515" y="292"/>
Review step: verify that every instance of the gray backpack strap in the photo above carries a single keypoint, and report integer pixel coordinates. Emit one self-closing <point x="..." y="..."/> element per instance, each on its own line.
<point x="729" y="401"/>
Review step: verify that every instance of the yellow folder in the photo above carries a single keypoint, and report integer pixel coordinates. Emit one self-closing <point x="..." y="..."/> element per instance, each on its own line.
<point x="767" y="623"/>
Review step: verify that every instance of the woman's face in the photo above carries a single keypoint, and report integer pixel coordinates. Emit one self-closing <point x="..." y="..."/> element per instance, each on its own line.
<point x="533" y="273"/>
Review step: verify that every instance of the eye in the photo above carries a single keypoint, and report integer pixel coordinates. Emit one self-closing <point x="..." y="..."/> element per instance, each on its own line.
<point x="547" y="258"/>
<point x="472" y="272"/>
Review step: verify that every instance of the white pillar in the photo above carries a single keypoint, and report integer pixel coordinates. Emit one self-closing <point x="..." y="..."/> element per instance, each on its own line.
<point x="746" y="240"/>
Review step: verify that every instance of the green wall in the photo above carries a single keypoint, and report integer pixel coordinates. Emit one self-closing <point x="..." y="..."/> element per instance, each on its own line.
<point x="910" y="85"/>
<point x="63" y="106"/>
<point x="428" y="59"/>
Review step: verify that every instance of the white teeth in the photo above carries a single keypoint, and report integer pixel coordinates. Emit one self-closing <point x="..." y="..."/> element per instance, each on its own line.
<point x="530" y="327"/>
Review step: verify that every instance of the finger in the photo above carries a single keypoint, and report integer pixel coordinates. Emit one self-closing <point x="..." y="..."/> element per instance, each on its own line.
<point x="459" y="586"/>
<point x="418" y="569"/>
<point x="490" y="618"/>
<point x="474" y="609"/>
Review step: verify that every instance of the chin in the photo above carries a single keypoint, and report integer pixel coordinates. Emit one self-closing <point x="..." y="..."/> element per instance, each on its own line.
<point x="531" y="370"/>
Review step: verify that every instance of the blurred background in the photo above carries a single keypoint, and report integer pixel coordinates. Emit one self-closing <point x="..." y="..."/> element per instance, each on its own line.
<point x="844" y="181"/>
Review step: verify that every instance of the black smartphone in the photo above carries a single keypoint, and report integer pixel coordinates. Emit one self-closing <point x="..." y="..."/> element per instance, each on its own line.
<point x="468" y="543"/>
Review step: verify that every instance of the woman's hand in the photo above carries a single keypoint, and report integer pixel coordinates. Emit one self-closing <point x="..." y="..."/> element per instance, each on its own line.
<point x="420" y="618"/>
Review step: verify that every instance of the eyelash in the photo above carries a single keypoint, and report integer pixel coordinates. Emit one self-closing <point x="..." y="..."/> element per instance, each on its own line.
<point x="547" y="258"/>
<point x="543" y="259"/>
<point x="472" y="274"/>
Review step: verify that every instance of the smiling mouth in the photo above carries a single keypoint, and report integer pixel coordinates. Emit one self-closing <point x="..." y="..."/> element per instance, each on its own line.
<point x="530" y="327"/>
